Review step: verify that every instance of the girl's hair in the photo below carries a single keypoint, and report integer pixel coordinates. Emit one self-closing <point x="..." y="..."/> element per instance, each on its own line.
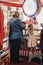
<point x="30" y="26"/>
<point x="30" y="29"/>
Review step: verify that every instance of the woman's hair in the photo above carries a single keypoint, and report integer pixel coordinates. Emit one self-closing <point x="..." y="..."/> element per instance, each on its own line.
<point x="16" y="14"/>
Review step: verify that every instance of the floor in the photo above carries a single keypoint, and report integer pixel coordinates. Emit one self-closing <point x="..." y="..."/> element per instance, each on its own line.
<point x="24" y="63"/>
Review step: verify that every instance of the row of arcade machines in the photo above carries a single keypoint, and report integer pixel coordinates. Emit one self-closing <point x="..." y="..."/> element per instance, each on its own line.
<point x="24" y="51"/>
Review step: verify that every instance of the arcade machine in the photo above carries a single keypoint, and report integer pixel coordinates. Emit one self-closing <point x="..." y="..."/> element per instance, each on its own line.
<point x="3" y="40"/>
<point x="1" y="30"/>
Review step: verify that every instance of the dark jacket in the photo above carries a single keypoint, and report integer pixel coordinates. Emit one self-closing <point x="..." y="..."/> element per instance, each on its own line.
<point x="16" y="27"/>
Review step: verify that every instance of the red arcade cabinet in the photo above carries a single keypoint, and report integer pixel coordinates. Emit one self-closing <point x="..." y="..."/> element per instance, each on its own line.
<point x="2" y="33"/>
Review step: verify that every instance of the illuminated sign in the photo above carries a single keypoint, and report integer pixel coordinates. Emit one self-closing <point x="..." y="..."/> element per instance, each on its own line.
<point x="13" y="1"/>
<point x="30" y="7"/>
<point x="16" y="3"/>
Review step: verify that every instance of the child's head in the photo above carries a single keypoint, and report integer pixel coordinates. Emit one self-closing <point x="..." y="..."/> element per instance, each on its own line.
<point x="30" y="28"/>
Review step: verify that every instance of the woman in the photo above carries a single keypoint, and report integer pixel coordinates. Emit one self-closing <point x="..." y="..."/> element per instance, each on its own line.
<point x="15" y="37"/>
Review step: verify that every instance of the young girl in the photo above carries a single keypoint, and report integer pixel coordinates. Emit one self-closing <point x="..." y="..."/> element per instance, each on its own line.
<point x="32" y="42"/>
